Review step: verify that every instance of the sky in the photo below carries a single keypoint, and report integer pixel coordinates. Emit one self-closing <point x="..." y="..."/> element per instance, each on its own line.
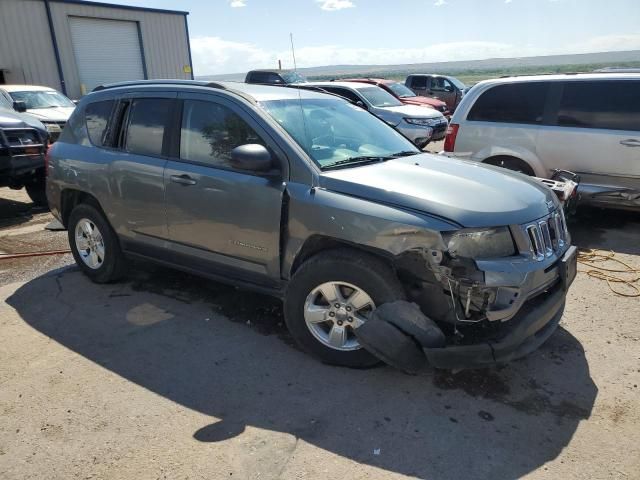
<point x="230" y="36"/>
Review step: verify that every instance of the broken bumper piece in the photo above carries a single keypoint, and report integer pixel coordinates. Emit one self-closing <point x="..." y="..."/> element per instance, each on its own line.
<point x="395" y="342"/>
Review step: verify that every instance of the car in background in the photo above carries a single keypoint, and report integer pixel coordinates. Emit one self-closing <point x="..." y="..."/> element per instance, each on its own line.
<point x="585" y="123"/>
<point x="23" y="141"/>
<point x="46" y="104"/>
<point x="420" y="125"/>
<point x="448" y="89"/>
<point x="403" y="93"/>
<point x="274" y="77"/>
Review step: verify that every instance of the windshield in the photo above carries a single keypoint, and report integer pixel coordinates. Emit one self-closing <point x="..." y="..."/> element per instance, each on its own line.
<point x="457" y="83"/>
<point x="42" y="99"/>
<point x="293" y="77"/>
<point x="332" y="130"/>
<point x="378" y="97"/>
<point x="401" y="90"/>
<point x="4" y="102"/>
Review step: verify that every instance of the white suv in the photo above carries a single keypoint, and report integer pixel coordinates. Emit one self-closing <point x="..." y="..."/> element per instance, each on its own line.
<point x="585" y="123"/>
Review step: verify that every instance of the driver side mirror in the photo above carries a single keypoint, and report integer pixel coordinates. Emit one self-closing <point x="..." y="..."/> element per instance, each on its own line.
<point x="448" y="88"/>
<point x="19" y="106"/>
<point x="252" y="157"/>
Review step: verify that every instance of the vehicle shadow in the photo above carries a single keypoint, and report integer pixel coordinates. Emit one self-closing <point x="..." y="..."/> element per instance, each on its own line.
<point x="605" y="229"/>
<point x="226" y="353"/>
<point x="13" y="212"/>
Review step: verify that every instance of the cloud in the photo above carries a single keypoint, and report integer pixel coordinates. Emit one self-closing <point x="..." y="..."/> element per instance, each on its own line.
<point x="508" y="1"/>
<point x="439" y="3"/>
<point x="214" y="55"/>
<point x="238" y="3"/>
<point x="331" y="5"/>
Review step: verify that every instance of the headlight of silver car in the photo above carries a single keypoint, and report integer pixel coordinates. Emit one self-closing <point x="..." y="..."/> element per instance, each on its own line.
<point x="480" y="243"/>
<point x="425" y="122"/>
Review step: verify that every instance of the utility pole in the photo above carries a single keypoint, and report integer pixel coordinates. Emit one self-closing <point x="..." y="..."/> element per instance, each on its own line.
<point x="293" y="52"/>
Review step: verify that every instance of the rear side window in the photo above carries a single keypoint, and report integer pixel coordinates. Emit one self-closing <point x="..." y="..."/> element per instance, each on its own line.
<point x="511" y="103"/>
<point x="418" y="82"/>
<point x="97" y="118"/>
<point x="148" y="120"/>
<point x="613" y="105"/>
<point x="210" y="131"/>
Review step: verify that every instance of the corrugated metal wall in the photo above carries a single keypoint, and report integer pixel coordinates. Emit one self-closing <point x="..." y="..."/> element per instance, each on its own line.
<point x="25" y="41"/>
<point x="26" y="50"/>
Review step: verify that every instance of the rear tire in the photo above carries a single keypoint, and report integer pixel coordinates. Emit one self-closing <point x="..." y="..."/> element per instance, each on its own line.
<point x="352" y="274"/>
<point x="511" y="163"/>
<point x="94" y="244"/>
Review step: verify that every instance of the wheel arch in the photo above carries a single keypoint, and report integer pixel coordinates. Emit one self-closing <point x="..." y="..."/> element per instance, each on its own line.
<point x="319" y="243"/>
<point x="518" y="153"/>
<point x="71" y="197"/>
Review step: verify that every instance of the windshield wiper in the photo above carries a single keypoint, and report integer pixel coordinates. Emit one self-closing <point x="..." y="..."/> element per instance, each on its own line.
<point x="358" y="161"/>
<point x="405" y="153"/>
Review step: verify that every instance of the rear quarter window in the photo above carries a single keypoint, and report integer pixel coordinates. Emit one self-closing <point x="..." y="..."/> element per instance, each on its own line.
<point x="511" y="103"/>
<point x="611" y="105"/>
<point x="97" y="116"/>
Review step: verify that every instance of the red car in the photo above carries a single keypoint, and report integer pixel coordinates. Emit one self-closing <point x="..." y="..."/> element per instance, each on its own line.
<point x="404" y="93"/>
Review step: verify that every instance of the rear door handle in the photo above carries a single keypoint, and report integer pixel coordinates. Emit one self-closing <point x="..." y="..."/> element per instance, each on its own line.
<point x="183" y="179"/>
<point x="630" y="142"/>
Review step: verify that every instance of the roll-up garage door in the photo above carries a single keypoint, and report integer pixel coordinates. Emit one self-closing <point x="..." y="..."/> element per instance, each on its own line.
<point x="106" y="51"/>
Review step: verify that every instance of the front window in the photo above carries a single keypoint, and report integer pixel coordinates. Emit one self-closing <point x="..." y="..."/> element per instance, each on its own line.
<point x="401" y="90"/>
<point x="379" y="98"/>
<point x="42" y="99"/>
<point x="461" y="86"/>
<point x="332" y="131"/>
<point x="293" y="77"/>
<point x="4" y="102"/>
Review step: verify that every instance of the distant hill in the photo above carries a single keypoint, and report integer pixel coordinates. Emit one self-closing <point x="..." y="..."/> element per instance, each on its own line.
<point x="469" y="68"/>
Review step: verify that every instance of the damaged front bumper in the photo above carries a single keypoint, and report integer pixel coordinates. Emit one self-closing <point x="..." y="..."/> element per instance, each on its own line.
<point x="523" y="334"/>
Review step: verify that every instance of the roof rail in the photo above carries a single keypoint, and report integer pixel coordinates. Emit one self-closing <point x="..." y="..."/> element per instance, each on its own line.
<point x="134" y="83"/>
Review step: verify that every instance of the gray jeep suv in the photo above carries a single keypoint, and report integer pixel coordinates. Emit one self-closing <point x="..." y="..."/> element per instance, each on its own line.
<point x="304" y="196"/>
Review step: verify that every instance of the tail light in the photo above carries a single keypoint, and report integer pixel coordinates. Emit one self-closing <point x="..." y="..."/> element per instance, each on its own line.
<point x="450" y="139"/>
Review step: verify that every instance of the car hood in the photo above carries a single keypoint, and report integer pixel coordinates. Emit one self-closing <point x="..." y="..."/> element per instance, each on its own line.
<point x="413" y="111"/>
<point x="11" y="119"/>
<point x="422" y="101"/>
<point x="57" y="114"/>
<point x="468" y="193"/>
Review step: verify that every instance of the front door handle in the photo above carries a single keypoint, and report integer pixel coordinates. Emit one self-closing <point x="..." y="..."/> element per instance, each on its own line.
<point x="183" y="179"/>
<point x="630" y="142"/>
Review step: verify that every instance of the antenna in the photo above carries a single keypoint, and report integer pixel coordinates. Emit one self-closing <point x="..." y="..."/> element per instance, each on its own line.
<point x="293" y="52"/>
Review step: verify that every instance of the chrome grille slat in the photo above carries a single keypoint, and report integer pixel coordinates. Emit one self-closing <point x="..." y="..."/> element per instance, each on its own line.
<point x="547" y="236"/>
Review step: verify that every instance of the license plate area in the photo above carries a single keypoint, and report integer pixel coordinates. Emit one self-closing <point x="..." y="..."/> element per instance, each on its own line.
<point x="569" y="267"/>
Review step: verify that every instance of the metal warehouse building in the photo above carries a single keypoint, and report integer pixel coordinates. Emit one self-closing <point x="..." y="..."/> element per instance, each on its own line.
<point x="74" y="45"/>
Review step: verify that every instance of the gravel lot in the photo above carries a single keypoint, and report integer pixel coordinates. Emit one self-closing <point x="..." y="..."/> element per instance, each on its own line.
<point x="169" y="376"/>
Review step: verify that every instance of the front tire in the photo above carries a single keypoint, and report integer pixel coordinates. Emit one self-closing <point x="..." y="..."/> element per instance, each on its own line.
<point x="94" y="245"/>
<point x="37" y="191"/>
<point x="333" y="293"/>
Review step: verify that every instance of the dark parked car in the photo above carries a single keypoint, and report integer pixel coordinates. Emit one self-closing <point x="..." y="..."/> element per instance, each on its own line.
<point x="23" y="141"/>
<point x="448" y="89"/>
<point x="274" y="77"/>
<point x="307" y="197"/>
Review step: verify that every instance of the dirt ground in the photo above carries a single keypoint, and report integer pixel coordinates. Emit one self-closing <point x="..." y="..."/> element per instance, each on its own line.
<point x="167" y="376"/>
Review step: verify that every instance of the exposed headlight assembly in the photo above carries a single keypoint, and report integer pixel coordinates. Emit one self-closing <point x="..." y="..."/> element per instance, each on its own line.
<point x="425" y="122"/>
<point x="480" y="243"/>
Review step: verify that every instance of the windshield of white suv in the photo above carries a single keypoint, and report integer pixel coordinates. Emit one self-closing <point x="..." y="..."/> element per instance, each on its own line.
<point x="293" y="77"/>
<point x="401" y="90"/>
<point x="334" y="132"/>
<point x="378" y="97"/>
<point x="41" y="99"/>
<point x="4" y="102"/>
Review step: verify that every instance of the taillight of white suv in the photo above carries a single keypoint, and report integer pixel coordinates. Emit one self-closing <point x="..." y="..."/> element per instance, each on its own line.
<point x="450" y="139"/>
